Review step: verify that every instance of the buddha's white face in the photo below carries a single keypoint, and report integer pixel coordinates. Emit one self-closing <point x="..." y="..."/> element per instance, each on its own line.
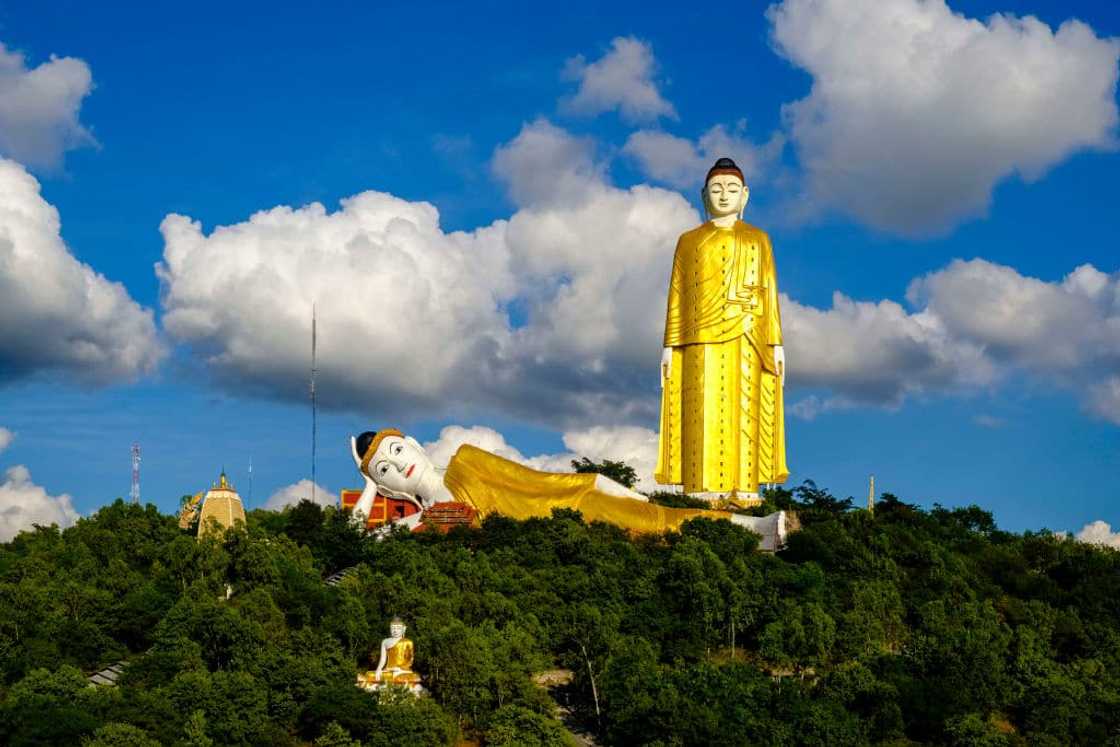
<point x="398" y="466"/>
<point x="725" y="195"/>
<point x="396" y="630"/>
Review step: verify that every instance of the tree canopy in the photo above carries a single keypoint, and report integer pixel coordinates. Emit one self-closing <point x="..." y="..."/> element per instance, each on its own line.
<point x="620" y="472"/>
<point x="911" y="626"/>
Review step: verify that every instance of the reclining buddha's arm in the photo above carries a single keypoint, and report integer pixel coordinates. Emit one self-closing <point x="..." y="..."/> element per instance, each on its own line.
<point x="360" y="513"/>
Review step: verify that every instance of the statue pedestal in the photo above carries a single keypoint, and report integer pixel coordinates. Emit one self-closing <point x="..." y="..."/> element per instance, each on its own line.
<point x="409" y="681"/>
<point x="734" y="498"/>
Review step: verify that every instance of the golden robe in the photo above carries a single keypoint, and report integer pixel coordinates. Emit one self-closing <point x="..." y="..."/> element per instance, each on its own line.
<point x="399" y="656"/>
<point x="722" y="421"/>
<point x="491" y="484"/>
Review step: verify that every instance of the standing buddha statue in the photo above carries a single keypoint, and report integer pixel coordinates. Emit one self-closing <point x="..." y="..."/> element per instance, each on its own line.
<point x="723" y="365"/>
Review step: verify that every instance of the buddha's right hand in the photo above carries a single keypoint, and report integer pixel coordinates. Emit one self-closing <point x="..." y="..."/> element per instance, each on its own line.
<point x="666" y="365"/>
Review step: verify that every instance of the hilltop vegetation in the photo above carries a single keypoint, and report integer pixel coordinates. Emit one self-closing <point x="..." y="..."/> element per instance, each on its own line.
<point x="911" y="627"/>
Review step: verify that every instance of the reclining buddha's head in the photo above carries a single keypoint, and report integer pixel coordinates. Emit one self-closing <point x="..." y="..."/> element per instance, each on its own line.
<point x="396" y="463"/>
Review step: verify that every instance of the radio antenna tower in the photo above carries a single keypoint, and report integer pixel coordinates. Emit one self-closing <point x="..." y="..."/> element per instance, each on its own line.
<point x="314" y="424"/>
<point x="134" y="494"/>
<point x="250" y="481"/>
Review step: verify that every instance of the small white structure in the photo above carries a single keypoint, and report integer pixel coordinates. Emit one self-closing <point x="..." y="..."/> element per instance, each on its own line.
<point x="108" y="676"/>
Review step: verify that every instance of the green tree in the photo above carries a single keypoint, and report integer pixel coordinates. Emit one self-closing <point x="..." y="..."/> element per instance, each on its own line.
<point x="120" y="735"/>
<point x="335" y="736"/>
<point x="677" y="500"/>
<point x="195" y="732"/>
<point x="305" y="523"/>
<point x="48" y="707"/>
<point x="973" y="730"/>
<point x="620" y="472"/>
<point x="462" y="670"/>
<point x="518" y="726"/>
<point x="801" y="637"/>
<point x="933" y="627"/>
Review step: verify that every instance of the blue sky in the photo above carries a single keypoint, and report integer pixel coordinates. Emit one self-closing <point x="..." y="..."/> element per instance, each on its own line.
<point x="230" y="109"/>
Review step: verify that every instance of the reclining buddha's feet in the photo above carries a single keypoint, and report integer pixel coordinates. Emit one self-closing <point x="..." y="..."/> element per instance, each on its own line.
<point x="772" y="529"/>
<point x="606" y="485"/>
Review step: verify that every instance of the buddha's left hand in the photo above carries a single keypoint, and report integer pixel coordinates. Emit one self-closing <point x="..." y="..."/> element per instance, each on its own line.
<point x="780" y="362"/>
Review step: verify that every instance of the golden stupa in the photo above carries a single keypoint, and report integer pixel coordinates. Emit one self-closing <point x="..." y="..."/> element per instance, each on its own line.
<point x="223" y="504"/>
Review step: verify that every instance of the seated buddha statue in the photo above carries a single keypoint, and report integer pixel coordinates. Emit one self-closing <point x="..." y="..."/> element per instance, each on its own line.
<point x="397" y="466"/>
<point x="394" y="665"/>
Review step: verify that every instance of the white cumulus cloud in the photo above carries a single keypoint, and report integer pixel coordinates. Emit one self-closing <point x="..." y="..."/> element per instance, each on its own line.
<point x="1099" y="533"/>
<point x="301" y="490"/>
<point x="682" y="163"/>
<point x="917" y="112"/>
<point x="6" y="438"/>
<point x="547" y="165"/>
<point x="874" y="353"/>
<point x="555" y="314"/>
<point x="1066" y="331"/>
<point x="968" y="325"/>
<point x="621" y="79"/>
<point x="1104" y="398"/>
<point x="589" y="263"/>
<point x="633" y="445"/>
<point x="58" y="313"/>
<point x="1047" y="326"/>
<point x="24" y="504"/>
<point x="549" y="314"/>
<point x="402" y="305"/>
<point x="451" y="437"/>
<point x="39" y="108"/>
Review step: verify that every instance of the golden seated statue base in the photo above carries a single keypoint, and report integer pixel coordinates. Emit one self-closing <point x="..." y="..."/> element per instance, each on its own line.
<point x="370" y="682"/>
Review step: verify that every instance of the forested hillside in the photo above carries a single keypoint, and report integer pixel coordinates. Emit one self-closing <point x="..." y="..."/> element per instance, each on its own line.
<point x="911" y="626"/>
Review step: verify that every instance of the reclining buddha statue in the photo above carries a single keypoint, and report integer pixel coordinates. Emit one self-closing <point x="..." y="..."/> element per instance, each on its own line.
<point x="396" y="466"/>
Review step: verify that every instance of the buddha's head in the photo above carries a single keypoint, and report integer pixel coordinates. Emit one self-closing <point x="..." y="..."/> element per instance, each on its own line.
<point x="396" y="463"/>
<point x="725" y="191"/>
<point x="397" y="628"/>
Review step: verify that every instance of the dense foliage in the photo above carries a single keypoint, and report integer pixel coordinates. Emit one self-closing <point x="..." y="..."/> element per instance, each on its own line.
<point x="620" y="472"/>
<point x="905" y="627"/>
